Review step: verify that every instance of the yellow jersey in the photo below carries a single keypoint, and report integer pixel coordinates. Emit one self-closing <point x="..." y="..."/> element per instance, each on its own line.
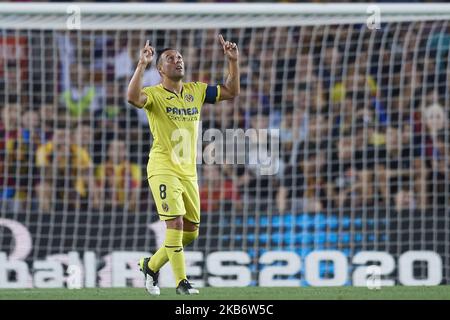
<point x="174" y="121"/>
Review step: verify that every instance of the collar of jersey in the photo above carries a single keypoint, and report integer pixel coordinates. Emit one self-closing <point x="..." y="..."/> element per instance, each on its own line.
<point x="181" y="93"/>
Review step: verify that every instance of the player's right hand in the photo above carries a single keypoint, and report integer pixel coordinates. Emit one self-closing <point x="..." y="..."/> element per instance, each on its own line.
<point x="147" y="53"/>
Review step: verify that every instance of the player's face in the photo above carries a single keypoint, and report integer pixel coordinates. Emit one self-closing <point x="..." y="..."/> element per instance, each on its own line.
<point x="172" y="65"/>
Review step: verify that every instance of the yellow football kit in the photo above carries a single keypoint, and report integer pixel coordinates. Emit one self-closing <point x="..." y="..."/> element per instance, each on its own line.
<point x="171" y="170"/>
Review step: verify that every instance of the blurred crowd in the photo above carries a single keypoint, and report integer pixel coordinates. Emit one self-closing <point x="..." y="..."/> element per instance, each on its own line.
<point x="361" y="118"/>
<point x="225" y="1"/>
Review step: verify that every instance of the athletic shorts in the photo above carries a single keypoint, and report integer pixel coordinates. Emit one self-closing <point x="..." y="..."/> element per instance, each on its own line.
<point x="175" y="197"/>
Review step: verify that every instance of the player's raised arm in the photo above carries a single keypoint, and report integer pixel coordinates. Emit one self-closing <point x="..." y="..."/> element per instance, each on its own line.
<point x="134" y="94"/>
<point x="231" y="88"/>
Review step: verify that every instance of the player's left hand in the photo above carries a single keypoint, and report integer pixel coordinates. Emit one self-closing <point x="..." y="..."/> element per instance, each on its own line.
<point x="230" y="49"/>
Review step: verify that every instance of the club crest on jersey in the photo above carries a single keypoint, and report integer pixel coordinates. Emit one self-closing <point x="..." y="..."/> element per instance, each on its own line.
<point x="165" y="207"/>
<point x="188" y="98"/>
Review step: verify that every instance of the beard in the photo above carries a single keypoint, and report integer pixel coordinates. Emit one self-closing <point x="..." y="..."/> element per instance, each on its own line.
<point x="176" y="76"/>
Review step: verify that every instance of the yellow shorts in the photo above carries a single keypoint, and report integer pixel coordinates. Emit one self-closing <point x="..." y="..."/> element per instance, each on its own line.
<point x="175" y="197"/>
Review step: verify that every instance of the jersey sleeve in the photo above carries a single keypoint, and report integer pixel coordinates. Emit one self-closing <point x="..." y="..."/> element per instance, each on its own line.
<point x="211" y="93"/>
<point x="149" y="102"/>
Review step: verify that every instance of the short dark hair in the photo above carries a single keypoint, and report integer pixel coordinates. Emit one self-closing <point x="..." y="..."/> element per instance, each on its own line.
<point x="160" y="53"/>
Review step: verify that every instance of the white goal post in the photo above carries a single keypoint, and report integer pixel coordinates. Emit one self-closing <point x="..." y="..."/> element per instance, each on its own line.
<point x="358" y="96"/>
<point x="116" y="16"/>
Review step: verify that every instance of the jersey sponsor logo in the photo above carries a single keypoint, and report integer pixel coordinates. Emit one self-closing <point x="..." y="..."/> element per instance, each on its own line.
<point x="181" y="111"/>
<point x="165" y="207"/>
<point x="188" y="98"/>
<point x="170" y="98"/>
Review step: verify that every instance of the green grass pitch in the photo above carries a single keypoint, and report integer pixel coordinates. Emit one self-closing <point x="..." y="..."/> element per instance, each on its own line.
<point x="246" y="293"/>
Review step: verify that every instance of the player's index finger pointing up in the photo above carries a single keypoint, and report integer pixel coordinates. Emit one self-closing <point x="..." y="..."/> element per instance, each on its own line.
<point x="222" y="41"/>
<point x="147" y="43"/>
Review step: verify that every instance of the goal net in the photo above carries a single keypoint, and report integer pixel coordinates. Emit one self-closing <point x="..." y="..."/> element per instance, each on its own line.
<point x="356" y="98"/>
